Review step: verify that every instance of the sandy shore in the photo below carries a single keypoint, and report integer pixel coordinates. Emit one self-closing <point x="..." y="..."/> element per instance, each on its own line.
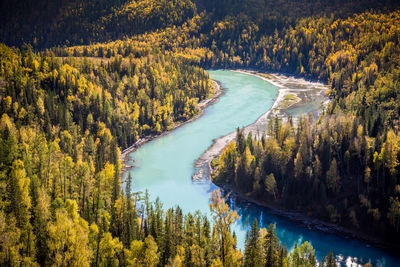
<point x="301" y="89"/>
<point x="202" y="105"/>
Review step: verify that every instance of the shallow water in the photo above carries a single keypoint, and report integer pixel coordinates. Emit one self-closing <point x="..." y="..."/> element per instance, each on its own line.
<point x="165" y="166"/>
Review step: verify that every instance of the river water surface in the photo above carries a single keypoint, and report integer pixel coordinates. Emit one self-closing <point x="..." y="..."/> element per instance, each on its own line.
<point x="165" y="166"/>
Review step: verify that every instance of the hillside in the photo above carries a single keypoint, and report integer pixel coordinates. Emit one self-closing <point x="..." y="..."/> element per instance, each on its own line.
<point x="98" y="75"/>
<point x="49" y="23"/>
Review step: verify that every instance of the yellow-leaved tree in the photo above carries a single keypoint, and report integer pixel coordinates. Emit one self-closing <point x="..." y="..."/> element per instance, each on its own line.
<point x="68" y="241"/>
<point x="224" y="218"/>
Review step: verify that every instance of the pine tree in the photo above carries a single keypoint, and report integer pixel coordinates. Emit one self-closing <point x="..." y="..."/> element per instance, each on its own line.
<point x="272" y="246"/>
<point x="252" y="254"/>
<point x="330" y="260"/>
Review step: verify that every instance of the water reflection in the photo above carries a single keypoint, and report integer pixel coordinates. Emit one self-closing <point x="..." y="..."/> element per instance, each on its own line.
<point x="349" y="252"/>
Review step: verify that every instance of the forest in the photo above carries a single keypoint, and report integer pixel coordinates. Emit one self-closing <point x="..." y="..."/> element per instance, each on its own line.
<point x="82" y="80"/>
<point x="46" y="23"/>
<point x="349" y="158"/>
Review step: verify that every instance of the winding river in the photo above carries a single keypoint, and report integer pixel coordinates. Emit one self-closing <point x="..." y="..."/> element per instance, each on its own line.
<point x="165" y="166"/>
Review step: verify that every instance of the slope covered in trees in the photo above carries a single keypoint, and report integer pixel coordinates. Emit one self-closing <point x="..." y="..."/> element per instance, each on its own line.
<point x="49" y="23"/>
<point x="61" y="196"/>
<point x="62" y="125"/>
<point x="331" y="170"/>
<point x="66" y="113"/>
<point x="45" y="23"/>
<point x="348" y="163"/>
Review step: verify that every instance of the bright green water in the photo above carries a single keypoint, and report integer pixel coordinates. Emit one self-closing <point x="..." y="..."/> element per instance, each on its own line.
<point x="164" y="166"/>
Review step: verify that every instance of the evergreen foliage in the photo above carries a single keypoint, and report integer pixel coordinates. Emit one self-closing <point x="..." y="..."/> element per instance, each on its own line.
<point x="67" y="112"/>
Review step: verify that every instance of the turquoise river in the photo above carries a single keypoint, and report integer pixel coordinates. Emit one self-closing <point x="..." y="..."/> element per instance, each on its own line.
<point x="165" y="166"/>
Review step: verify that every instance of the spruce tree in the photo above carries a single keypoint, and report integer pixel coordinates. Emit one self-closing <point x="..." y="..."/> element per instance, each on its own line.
<point x="252" y="251"/>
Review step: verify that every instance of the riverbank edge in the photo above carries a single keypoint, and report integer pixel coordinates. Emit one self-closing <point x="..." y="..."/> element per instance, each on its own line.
<point x="219" y="91"/>
<point x="276" y="79"/>
<point x="296" y="216"/>
<point x="313" y="223"/>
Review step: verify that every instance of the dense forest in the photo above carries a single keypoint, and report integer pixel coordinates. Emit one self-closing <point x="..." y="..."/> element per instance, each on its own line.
<point x="45" y="23"/>
<point x="95" y="76"/>
<point x="64" y="120"/>
<point x="348" y="160"/>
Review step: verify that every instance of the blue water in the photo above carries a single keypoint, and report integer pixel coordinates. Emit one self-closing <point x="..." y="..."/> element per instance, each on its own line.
<point x="164" y="166"/>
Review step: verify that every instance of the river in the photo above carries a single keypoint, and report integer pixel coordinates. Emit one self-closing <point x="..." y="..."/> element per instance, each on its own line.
<point x="165" y="166"/>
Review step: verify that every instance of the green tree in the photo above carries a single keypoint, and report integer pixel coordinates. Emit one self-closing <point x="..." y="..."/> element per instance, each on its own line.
<point x="330" y="260"/>
<point x="252" y="253"/>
